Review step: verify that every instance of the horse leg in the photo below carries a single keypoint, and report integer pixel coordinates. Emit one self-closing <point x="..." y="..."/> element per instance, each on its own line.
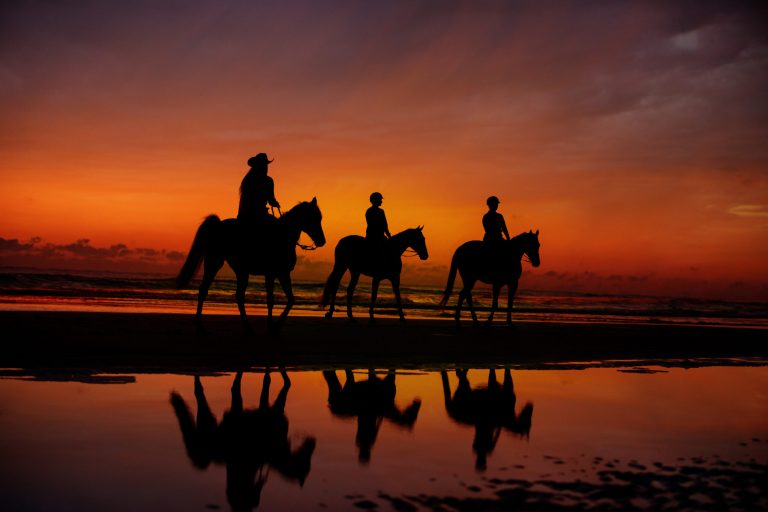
<point x="236" y="405"/>
<point x="494" y="304"/>
<point x="511" y="289"/>
<point x="471" y="305"/>
<point x="211" y="268"/>
<point x="242" y="284"/>
<point x="285" y="283"/>
<point x="332" y="286"/>
<point x="374" y="293"/>
<point x="269" y="284"/>
<point x="282" y="396"/>
<point x="331" y="305"/>
<point x="264" y="396"/>
<point x="354" y="276"/>
<point x="396" y="289"/>
<point x="460" y="301"/>
<point x="493" y="383"/>
<point x="446" y="389"/>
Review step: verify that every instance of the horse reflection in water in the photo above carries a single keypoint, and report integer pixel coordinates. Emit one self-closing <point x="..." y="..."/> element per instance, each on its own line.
<point x="489" y="409"/>
<point x="247" y="441"/>
<point x="371" y="401"/>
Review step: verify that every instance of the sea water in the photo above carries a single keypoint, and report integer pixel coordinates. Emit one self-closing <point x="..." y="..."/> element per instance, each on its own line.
<point x="84" y="291"/>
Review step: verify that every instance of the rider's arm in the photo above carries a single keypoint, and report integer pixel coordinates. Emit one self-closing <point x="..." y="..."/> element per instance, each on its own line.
<point x="504" y="227"/>
<point x="271" y="194"/>
<point x="386" y="227"/>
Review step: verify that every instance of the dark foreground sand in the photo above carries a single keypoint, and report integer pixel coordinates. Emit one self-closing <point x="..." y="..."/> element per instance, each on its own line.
<point x="111" y="342"/>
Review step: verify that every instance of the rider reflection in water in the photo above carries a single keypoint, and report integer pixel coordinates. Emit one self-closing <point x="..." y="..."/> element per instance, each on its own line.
<point x="257" y="190"/>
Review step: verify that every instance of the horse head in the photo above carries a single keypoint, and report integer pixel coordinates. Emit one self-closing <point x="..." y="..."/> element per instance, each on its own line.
<point x="309" y="220"/>
<point x="531" y="247"/>
<point x="418" y="243"/>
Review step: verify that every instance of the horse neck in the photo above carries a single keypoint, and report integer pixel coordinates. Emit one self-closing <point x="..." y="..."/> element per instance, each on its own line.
<point x="401" y="241"/>
<point x="290" y="222"/>
<point x="516" y="246"/>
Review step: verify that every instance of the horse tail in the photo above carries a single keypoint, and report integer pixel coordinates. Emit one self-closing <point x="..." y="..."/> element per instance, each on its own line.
<point x="451" y="280"/>
<point x="197" y="251"/>
<point x="334" y="279"/>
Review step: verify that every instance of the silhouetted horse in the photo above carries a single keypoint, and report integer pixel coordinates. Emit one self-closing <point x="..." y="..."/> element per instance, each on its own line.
<point x="267" y="249"/>
<point x="362" y="256"/>
<point x="370" y="401"/>
<point x="496" y="263"/>
<point x="489" y="409"/>
<point x="247" y="441"/>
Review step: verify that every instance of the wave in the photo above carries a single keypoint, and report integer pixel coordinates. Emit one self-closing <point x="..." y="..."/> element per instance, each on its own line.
<point x="21" y="289"/>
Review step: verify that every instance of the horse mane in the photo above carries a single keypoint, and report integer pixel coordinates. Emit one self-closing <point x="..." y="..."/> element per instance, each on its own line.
<point x="296" y="209"/>
<point x="519" y="238"/>
<point x="403" y="232"/>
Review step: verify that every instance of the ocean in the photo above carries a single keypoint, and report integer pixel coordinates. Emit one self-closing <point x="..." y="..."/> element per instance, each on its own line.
<point x="23" y="289"/>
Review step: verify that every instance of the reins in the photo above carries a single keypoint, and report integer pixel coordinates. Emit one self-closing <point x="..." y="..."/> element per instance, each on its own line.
<point x="299" y="244"/>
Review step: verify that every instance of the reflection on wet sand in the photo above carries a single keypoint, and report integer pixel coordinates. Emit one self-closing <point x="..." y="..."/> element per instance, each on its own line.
<point x="605" y="439"/>
<point x="247" y="441"/>
<point x="489" y="409"/>
<point x="694" y="484"/>
<point x="371" y="401"/>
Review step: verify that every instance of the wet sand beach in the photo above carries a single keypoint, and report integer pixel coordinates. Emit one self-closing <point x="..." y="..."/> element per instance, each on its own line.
<point x="170" y="343"/>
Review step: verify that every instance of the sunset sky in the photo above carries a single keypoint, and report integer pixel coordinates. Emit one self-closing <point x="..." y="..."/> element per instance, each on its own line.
<point x="634" y="135"/>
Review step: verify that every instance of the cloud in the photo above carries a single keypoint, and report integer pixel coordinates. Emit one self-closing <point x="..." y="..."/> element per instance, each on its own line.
<point x="82" y="254"/>
<point x="13" y="246"/>
<point x="749" y="210"/>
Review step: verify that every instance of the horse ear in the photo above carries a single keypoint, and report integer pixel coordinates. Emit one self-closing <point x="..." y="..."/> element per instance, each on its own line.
<point x="537" y="232"/>
<point x="421" y="228"/>
<point x="314" y="200"/>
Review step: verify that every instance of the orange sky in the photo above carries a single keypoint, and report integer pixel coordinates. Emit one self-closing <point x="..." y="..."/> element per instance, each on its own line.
<point x="632" y="135"/>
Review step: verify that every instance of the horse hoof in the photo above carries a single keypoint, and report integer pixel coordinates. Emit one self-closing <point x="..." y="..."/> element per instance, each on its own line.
<point x="329" y="315"/>
<point x="372" y="321"/>
<point x="248" y="330"/>
<point x="351" y="320"/>
<point x="402" y="319"/>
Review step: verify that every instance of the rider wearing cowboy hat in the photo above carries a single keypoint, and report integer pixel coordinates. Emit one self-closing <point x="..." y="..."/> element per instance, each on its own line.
<point x="257" y="190"/>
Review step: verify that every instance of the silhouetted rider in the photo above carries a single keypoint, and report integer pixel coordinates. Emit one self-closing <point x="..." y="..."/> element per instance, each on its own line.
<point x="377" y="230"/>
<point x="257" y="190"/>
<point x="493" y="222"/>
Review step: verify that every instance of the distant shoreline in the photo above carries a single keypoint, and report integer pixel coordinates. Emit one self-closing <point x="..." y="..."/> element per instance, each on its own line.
<point x="161" y="342"/>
